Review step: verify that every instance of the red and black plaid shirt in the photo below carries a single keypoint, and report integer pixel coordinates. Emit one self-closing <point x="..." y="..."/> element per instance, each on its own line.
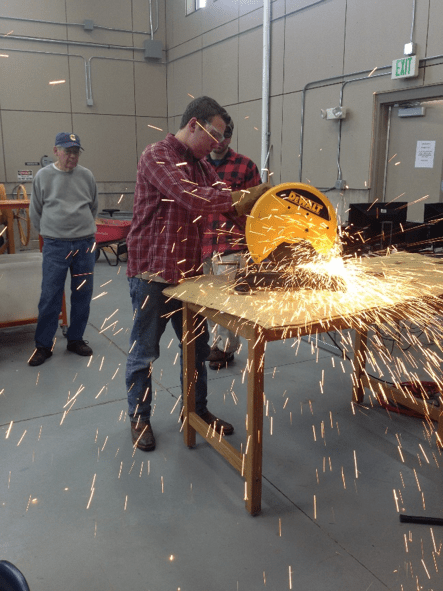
<point x="174" y="194"/>
<point x="227" y="233"/>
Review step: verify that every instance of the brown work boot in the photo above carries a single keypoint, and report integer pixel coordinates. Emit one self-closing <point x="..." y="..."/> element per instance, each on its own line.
<point x="142" y="435"/>
<point x="218" y="359"/>
<point x="214" y="353"/>
<point x="39" y="356"/>
<point x="79" y="347"/>
<point x="218" y="424"/>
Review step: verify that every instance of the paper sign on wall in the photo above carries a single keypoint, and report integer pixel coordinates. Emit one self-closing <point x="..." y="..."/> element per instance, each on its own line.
<point x="424" y="155"/>
<point x="25" y="175"/>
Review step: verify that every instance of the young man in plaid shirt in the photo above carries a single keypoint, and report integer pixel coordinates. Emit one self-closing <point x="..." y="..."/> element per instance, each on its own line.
<point x="224" y="237"/>
<point x="176" y="190"/>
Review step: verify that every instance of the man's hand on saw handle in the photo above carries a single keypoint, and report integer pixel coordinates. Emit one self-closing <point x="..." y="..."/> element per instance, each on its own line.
<point x="244" y="200"/>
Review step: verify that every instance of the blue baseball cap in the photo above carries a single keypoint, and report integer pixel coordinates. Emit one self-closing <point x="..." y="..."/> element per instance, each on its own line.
<point x="67" y="140"/>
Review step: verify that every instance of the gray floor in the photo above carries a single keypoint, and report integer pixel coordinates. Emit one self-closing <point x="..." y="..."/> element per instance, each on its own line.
<point x="81" y="510"/>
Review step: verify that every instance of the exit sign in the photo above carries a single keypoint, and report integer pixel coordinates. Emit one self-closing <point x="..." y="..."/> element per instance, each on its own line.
<point x="405" y="67"/>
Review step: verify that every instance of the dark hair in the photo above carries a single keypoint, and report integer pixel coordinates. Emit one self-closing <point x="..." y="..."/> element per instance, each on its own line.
<point x="204" y="108"/>
<point x="229" y="128"/>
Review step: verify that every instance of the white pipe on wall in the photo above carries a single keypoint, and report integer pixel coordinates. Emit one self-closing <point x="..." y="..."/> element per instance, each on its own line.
<point x="265" y="89"/>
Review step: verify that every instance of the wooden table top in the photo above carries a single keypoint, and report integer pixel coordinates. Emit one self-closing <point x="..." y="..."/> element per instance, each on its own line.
<point x="375" y="288"/>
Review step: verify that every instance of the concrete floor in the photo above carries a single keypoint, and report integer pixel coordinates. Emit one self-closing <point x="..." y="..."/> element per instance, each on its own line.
<point x="81" y="510"/>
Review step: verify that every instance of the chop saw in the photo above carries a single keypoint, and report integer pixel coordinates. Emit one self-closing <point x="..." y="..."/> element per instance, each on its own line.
<point x="289" y="226"/>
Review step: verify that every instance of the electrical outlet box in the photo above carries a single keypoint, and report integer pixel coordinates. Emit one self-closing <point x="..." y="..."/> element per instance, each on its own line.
<point x="334" y="113"/>
<point x="340" y="185"/>
<point x="153" y="49"/>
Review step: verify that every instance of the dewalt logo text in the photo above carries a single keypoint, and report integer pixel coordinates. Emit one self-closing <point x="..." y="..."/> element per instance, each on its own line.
<point x="305" y="203"/>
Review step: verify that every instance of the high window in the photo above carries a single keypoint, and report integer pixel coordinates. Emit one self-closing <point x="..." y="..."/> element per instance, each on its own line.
<point x="193" y="5"/>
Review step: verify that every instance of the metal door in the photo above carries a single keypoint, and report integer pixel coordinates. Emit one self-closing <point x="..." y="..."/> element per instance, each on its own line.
<point x="414" y="156"/>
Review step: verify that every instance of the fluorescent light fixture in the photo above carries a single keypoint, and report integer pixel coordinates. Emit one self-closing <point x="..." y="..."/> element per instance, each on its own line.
<point x="57" y="82"/>
<point x="200" y="4"/>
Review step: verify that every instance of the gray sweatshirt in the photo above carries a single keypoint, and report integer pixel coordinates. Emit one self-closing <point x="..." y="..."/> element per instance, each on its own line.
<point x="64" y="204"/>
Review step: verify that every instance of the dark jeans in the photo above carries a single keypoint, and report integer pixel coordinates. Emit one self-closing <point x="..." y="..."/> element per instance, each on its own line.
<point x="152" y="311"/>
<point x="58" y="257"/>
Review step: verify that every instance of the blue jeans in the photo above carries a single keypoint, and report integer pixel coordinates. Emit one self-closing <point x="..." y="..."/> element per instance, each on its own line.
<point x="58" y="257"/>
<point x="152" y="311"/>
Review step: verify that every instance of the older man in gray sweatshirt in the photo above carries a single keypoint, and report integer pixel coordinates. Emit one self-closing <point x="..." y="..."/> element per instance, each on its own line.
<point x="64" y="204"/>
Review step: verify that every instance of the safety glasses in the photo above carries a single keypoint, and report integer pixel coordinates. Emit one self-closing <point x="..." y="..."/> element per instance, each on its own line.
<point x="210" y="130"/>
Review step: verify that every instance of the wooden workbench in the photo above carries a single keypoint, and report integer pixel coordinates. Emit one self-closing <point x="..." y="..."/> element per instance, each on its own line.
<point x="14" y="204"/>
<point x="380" y="290"/>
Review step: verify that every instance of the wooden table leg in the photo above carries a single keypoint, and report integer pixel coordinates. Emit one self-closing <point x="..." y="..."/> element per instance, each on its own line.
<point x="254" y="443"/>
<point x="10" y="231"/>
<point x="360" y="355"/>
<point x="188" y="375"/>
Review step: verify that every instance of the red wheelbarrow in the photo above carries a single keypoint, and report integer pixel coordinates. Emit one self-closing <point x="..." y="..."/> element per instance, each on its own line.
<point x="111" y="237"/>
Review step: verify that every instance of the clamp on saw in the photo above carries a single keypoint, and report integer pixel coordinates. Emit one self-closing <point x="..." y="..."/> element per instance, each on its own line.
<point x="290" y="226"/>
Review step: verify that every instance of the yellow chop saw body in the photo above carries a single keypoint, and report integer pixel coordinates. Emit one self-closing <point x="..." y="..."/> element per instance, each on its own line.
<point x="288" y="215"/>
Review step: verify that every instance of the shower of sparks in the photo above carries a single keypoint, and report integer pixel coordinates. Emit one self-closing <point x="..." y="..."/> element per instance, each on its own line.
<point x="153" y="127"/>
<point x="358" y="284"/>
<point x="4" y="55"/>
<point x="370" y="74"/>
<point x="53" y="82"/>
<point x="340" y="290"/>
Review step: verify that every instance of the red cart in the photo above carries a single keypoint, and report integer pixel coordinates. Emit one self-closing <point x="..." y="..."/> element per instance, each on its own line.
<point x="111" y="237"/>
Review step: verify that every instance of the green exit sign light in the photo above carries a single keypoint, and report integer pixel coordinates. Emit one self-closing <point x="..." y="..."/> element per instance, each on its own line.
<point x="405" y="67"/>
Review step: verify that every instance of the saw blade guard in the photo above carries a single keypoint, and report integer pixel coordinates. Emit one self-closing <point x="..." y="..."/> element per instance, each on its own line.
<point x="291" y="215"/>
